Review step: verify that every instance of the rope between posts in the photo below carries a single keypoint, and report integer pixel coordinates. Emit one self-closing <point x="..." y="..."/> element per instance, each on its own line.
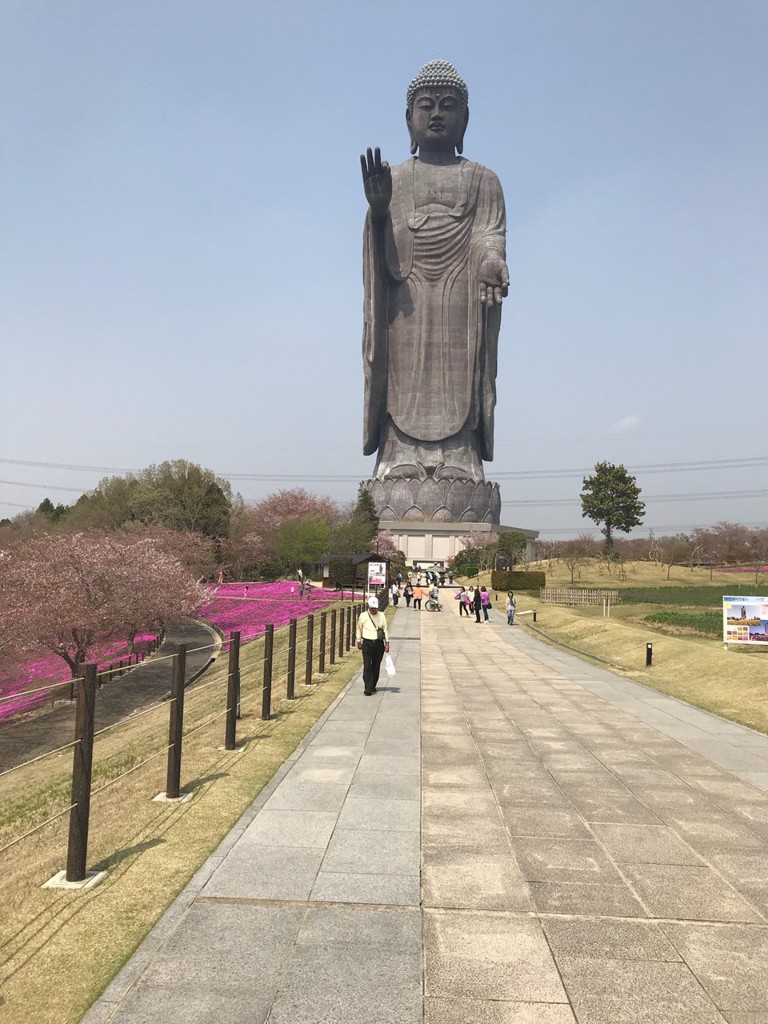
<point x="40" y="757"/>
<point x="203" y="686"/>
<point x="206" y="721"/>
<point x="253" y="696"/>
<point x="135" y="768"/>
<point x="132" y="718"/>
<point x="168" y="657"/>
<point x="36" y="828"/>
<point x="40" y="689"/>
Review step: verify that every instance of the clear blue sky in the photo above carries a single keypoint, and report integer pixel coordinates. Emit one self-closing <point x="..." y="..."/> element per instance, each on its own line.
<point x="181" y="214"/>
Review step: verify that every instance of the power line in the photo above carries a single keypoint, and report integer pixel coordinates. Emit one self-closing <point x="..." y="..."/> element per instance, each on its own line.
<point x="41" y="487"/>
<point x="696" y="496"/>
<point x="749" y="462"/>
<point x="658" y="467"/>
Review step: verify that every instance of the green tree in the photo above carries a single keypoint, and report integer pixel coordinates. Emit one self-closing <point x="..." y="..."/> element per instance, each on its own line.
<point x="176" y="494"/>
<point x="300" y="543"/>
<point x="513" y="544"/>
<point x="53" y="513"/>
<point x="611" y="496"/>
<point x="352" y="536"/>
<point x="366" y="516"/>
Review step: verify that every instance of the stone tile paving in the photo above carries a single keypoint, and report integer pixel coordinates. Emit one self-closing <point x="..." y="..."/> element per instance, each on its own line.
<point x="309" y="912"/>
<point x="622" y="874"/>
<point x="553" y="844"/>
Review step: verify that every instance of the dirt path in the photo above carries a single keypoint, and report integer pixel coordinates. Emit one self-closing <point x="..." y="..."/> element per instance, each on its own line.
<point x="43" y="731"/>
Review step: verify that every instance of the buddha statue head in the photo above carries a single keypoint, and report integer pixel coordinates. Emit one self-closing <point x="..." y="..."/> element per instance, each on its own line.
<point x="437" y="110"/>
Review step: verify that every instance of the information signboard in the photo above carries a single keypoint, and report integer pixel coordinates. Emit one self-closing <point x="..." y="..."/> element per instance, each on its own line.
<point x="745" y="620"/>
<point x="377" y="574"/>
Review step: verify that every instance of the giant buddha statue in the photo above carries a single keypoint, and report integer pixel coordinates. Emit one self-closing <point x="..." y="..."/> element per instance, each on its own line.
<point x="434" y="276"/>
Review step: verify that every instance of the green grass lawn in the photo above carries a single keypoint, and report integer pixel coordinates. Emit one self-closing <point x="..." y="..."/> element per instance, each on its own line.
<point x="708" y="623"/>
<point x="700" y="596"/>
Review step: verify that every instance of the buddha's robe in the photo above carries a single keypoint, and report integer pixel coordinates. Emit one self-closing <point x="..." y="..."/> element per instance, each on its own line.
<point x="429" y="344"/>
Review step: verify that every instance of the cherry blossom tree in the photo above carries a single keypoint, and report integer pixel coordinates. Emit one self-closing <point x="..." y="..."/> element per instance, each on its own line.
<point x="194" y="551"/>
<point x="385" y="544"/>
<point x="65" y="592"/>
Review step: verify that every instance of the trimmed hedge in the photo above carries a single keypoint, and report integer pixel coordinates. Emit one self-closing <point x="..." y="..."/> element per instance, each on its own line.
<point x="508" y="579"/>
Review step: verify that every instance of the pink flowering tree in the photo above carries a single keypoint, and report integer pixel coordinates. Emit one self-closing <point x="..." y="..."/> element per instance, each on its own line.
<point x="194" y="551"/>
<point x="156" y="586"/>
<point x="67" y="592"/>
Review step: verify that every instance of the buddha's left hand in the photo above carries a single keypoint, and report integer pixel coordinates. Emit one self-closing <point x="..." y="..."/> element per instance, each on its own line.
<point x="494" y="280"/>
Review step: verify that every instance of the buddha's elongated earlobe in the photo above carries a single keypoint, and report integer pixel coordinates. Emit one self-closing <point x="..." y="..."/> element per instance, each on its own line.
<point x="414" y="143"/>
<point x="460" y="143"/>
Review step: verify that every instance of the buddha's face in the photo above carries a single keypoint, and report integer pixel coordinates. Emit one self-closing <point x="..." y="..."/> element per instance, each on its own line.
<point x="437" y="119"/>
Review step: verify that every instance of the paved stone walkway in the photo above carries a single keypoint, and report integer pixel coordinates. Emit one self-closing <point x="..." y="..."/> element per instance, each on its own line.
<point x="588" y="853"/>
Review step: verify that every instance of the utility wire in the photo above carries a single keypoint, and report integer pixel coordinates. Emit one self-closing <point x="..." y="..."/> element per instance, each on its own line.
<point x="688" y="466"/>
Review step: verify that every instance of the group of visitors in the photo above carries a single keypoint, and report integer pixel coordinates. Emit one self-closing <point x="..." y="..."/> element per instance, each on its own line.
<point x="412" y="593"/>
<point x="477" y="600"/>
<point x="372" y="635"/>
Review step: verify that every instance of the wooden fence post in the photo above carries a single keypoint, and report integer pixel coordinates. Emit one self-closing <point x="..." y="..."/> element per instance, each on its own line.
<point x="332" y="651"/>
<point x="266" y="693"/>
<point x="323" y="633"/>
<point x="342" y="630"/>
<point x="233" y="690"/>
<point x="173" y="774"/>
<point x="291" y="684"/>
<point x="310" y="638"/>
<point x="82" y="766"/>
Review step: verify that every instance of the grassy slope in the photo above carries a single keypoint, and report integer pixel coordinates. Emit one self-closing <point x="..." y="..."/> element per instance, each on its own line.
<point x="694" y="668"/>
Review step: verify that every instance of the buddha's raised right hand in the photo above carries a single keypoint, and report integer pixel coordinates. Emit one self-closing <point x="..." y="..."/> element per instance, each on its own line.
<point x="377" y="181"/>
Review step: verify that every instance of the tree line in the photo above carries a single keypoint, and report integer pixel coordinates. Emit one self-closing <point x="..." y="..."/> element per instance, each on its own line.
<point x="134" y="554"/>
<point x="725" y="544"/>
<point x="290" y="529"/>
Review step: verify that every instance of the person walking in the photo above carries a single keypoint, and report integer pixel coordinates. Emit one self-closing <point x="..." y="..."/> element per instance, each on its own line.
<point x="418" y="594"/>
<point x="485" y="601"/>
<point x="477" y="603"/>
<point x="511" y="604"/>
<point x="461" y="597"/>
<point x="395" y="594"/>
<point x="373" y="640"/>
<point x="408" y="594"/>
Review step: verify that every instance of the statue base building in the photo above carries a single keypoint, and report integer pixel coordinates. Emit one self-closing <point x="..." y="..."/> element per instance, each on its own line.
<point x="434" y="543"/>
<point x="434" y="499"/>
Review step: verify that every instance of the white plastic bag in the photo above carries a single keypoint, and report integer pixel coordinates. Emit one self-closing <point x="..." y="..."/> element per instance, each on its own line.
<point x="389" y="666"/>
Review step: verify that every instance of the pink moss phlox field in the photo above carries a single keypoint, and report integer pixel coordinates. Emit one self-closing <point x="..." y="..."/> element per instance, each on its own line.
<point x="247" y="607"/>
<point x="47" y="669"/>
<point x="250" y="607"/>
